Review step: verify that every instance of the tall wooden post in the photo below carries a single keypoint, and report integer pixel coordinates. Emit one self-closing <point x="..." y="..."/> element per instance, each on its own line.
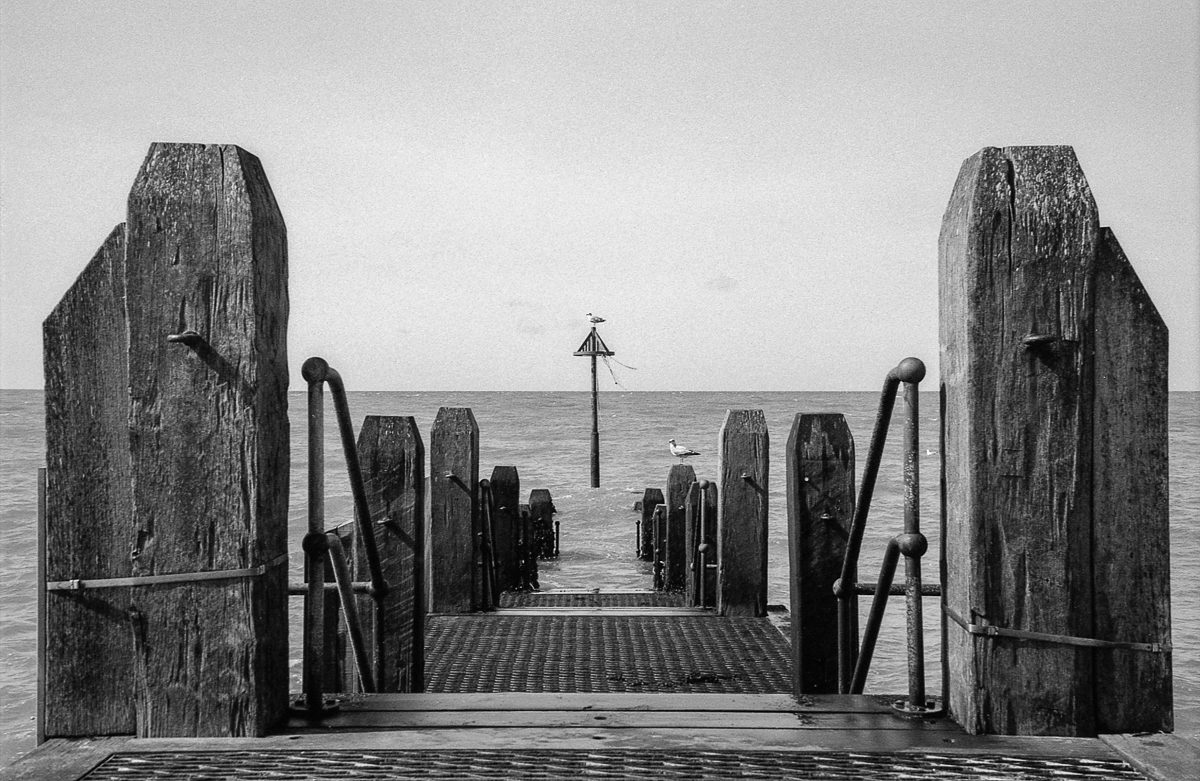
<point x="392" y="457"/>
<point x="679" y="480"/>
<point x="820" y="497"/>
<point x="454" y="511"/>
<point x="1053" y="381"/>
<point x="744" y="467"/>
<point x="206" y="297"/>
<point x="506" y="492"/>
<point x="594" y="346"/>
<point x="86" y="649"/>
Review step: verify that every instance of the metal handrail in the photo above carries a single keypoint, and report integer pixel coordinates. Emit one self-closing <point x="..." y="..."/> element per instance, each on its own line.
<point x="486" y="551"/>
<point x="911" y="544"/>
<point x="318" y="543"/>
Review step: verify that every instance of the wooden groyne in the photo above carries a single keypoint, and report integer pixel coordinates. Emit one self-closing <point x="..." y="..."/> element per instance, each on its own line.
<point x="163" y="543"/>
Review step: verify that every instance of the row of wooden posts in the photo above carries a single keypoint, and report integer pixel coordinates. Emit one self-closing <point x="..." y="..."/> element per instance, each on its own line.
<point x="481" y="541"/>
<point x="163" y="553"/>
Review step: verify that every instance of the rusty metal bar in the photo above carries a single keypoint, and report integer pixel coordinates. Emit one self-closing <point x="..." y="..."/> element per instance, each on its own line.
<point x="913" y="546"/>
<point x="486" y="548"/>
<point x="637" y="534"/>
<point x="341" y="578"/>
<point x="300" y="588"/>
<point x="869" y="589"/>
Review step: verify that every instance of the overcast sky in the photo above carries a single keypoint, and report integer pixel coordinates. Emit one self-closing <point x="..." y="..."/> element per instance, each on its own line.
<point x="750" y="193"/>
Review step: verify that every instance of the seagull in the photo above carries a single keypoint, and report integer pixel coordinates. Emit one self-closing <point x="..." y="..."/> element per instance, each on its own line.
<point x="681" y="451"/>
<point x="594" y="318"/>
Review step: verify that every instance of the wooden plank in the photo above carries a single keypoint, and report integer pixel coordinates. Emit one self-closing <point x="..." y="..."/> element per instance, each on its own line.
<point x="679" y="480"/>
<point x="499" y="738"/>
<point x="820" y="497"/>
<point x="1016" y="254"/>
<point x="392" y="456"/>
<point x="625" y="719"/>
<point x="506" y="492"/>
<point x="652" y="498"/>
<point x="1131" y="517"/>
<point x="207" y="253"/>
<point x="1158" y="756"/>
<point x="612" y="701"/>
<point x="702" y="578"/>
<point x="455" y="586"/>
<point x="86" y="651"/>
<point x="744" y="469"/>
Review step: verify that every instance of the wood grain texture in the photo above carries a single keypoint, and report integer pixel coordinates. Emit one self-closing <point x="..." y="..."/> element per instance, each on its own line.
<point x="820" y="500"/>
<point x="1130" y="510"/>
<point x="651" y="498"/>
<point x="698" y="536"/>
<point x="453" y="511"/>
<point x="679" y="480"/>
<point x="744" y="470"/>
<point x="506" y="523"/>
<point x="392" y="456"/>
<point x="207" y="252"/>
<point x="1016" y="254"/>
<point x="88" y="530"/>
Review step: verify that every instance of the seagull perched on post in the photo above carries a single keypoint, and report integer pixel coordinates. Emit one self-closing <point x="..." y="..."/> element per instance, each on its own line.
<point x="681" y="451"/>
<point x="594" y="318"/>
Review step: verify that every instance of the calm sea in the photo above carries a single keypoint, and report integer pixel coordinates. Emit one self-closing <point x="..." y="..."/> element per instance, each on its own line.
<point x="546" y="436"/>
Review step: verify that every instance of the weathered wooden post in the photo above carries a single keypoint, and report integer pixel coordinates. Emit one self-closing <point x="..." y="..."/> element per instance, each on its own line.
<point x="506" y="491"/>
<point x="1053" y="381"/>
<point x="454" y="511"/>
<point x="744" y="469"/>
<point x="392" y="457"/>
<point x="679" y="480"/>
<point x="701" y="544"/>
<point x="652" y="498"/>
<point x="820" y="497"/>
<point x="1131" y="521"/>
<point x="541" y="514"/>
<point x="206" y="297"/>
<point x="85" y="646"/>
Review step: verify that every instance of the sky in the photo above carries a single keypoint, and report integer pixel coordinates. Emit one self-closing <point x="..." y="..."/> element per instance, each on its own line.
<point x="749" y="193"/>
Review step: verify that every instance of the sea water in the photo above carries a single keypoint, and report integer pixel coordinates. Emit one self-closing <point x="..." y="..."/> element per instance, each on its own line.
<point x="547" y="437"/>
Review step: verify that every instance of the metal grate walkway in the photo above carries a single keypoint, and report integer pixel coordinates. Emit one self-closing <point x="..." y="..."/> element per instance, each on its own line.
<point x="640" y="764"/>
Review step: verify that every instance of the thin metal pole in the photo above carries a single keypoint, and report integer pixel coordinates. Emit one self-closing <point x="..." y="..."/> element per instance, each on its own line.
<point x="341" y="576"/>
<point x="887" y="571"/>
<point x="314" y="600"/>
<point x="595" y="427"/>
<point x="912" y="563"/>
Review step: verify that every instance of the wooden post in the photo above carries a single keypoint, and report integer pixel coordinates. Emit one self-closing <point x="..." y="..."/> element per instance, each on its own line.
<point x="506" y="491"/>
<point x="86" y="650"/>
<point x="1131" y="517"/>
<point x="820" y="499"/>
<point x="1017" y="257"/>
<point x="392" y="457"/>
<point x="338" y="673"/>
<point x="206" y="297"/>
<point x="454" y="511"/>
<point x="701" y="520"/>
<point x="679" y="480"/>
<point x="744" y="468"/>
<point x="652" y="498"/>
<point x="541" y="513"/>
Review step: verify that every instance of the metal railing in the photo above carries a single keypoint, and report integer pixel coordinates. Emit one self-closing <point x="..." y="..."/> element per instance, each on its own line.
<point x="852" y="671"/>
<point x="319" y="543"/>
<point x="485" y="547"/>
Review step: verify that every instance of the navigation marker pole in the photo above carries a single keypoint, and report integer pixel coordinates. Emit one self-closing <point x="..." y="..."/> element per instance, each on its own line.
<point x="594" y="346"/>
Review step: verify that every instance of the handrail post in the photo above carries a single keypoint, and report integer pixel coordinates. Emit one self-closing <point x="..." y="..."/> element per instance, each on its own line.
<point x="314" y="548"/>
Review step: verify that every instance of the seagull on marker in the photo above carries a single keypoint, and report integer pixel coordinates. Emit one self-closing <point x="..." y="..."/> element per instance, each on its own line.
<point x="681" y="451"/>
<point x="594" y="318"/>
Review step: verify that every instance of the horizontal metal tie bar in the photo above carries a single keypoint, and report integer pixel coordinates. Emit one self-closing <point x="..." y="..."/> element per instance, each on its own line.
<point x="990" y="630"/>
<point x="899" y="590"/>
<point x="82" y="584"/>
<point x="297" y="588"/>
